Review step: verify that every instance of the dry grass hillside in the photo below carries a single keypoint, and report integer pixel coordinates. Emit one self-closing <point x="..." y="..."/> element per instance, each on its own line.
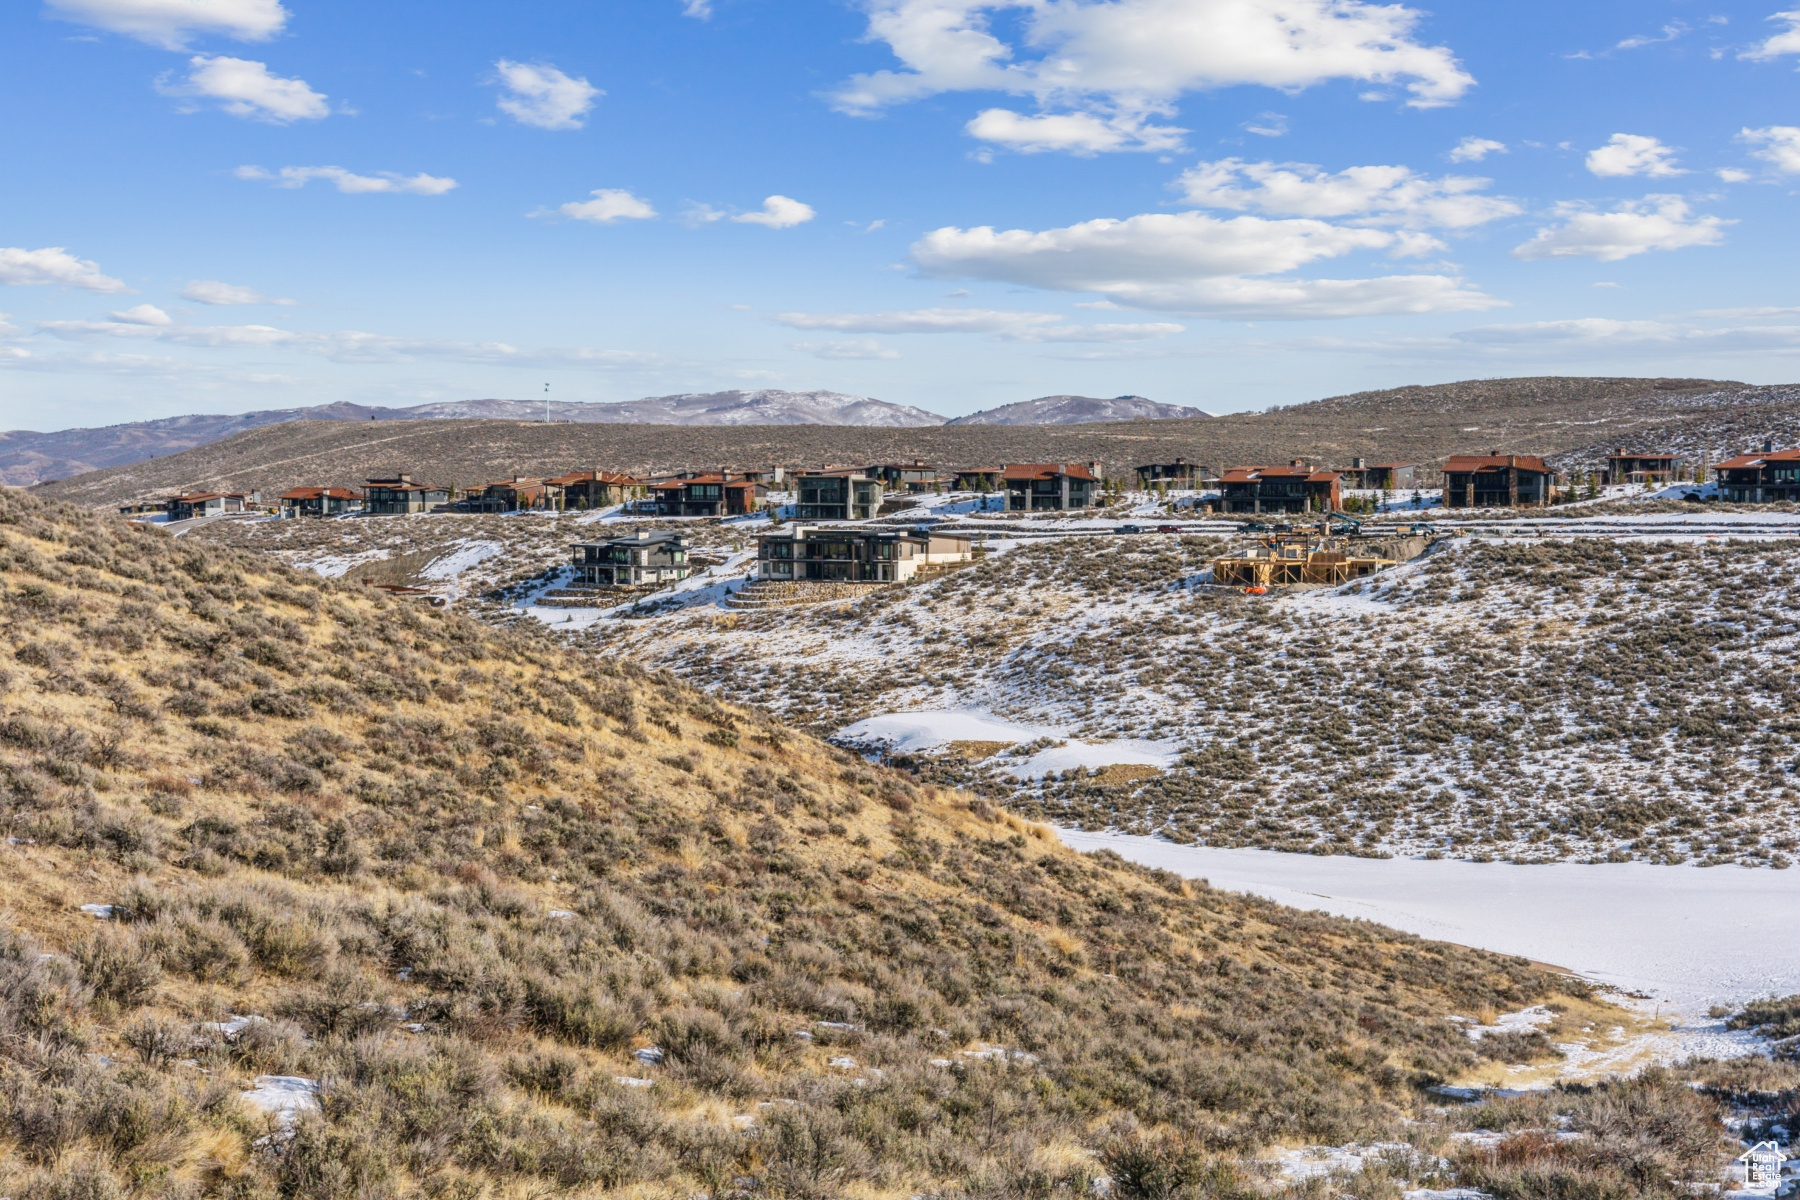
<point x="538" y="923"/>
<point x="1416" y="424"/>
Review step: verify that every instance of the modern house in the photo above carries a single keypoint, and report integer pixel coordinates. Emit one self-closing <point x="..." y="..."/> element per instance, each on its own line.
<point x="916" y="476"/>
<point x="843" y="495"/>
<point x="802" y="553"/>
<point x="518" y="494"/>
<point x="977" y="479"/>
<point x="711" y="494"/>
<point x="1049" y="487"/>
<point x="1496" y="480"/>
<point x="645" y="559"/>
<point x="1760" y="478"/>
<point x="1180" y="475"/>
<point x="397" y="495"/>
<point x="188" y="505"/>
<point x="1298" y="487"/>
<point x="1382" y="477"/>
<point x="596" y="489"/>
<point x="1623" y="467"/>
<point x="320" y="501"/>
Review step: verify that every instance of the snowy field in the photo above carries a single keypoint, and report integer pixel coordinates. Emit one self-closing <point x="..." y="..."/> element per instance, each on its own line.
<point x="1688" y="937"/>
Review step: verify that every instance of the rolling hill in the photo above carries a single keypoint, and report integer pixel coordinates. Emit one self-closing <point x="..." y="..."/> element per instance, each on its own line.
<point x="1550" y="415"/>
<point x="1078" y="410"/>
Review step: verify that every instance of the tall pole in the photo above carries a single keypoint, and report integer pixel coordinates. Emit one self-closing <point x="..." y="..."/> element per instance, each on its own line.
<point x="546" y="404"/>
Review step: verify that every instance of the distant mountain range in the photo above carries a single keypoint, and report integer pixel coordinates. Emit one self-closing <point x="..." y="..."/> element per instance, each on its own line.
<point x="28" y="457"/>
<point x="1078" y="410"/>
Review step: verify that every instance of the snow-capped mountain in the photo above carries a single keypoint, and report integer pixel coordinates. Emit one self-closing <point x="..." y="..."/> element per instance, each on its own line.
<point x="1078" y="410"/>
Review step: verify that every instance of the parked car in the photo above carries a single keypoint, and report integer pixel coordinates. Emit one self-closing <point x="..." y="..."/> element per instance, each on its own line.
<point x="1129" y="529"/>
<point x="1168" y="529"/>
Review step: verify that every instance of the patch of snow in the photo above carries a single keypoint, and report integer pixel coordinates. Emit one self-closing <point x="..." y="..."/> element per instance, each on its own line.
<point x="648" y="1055"/>
<point x="100" y="912"/>
<point x="283" y="1097"/>
<point x="1308" y="1161"/>
<point x="632" y="1081"/>
<point x="911" y="732"/>
<point x="1088" y="755"/>
<point x="467" y="555"/>
<point x="230" y="1027"/>
<point x="335" y="566"/>
<point x="1690" y="937"/>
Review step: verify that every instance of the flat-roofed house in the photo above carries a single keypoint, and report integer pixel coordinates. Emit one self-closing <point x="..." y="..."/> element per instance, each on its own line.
<point x="1050" y="487"/>
<point x="518" y="494"/>
<point x="597" y="489"/>
<point x="1299" y="487"/>
<point x="188" y="505"/>
<point x="840" y="495"/>
<point x="320" y="501"/>
<point x="803" y="553"/>
<point x="645" y="559"/>
<point x="915" y="476"/>
<point x="1381" y="477"/>
<point x="1624" y="466"/>
<point x="1496" y="480"/>
<point x="1181" y="475"/>
<point x="707" y="494"/>
<point x="1752" y="478"/>
<point x="977" y="479"/>
<point x="396" y="495"/>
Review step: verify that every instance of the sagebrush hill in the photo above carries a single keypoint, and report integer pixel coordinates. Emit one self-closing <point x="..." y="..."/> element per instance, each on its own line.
<point x="461" y="876"/>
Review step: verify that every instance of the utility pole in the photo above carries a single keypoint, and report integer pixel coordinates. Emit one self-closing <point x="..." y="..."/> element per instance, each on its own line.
<point x="546" y="404"/>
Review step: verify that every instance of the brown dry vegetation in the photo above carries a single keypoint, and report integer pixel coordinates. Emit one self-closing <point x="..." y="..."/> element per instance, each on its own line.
<point x="1418" y="424"/>
<point x="464" y="875"/>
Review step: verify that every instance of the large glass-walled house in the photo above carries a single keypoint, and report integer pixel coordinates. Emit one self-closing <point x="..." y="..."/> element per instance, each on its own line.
<point x="803" y="553"/>
<point x="644" y="559"/>
<point x="837" y="496"/>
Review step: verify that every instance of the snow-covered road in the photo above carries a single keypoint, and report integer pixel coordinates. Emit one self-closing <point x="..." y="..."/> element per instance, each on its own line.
<point x="1688" y="936"/>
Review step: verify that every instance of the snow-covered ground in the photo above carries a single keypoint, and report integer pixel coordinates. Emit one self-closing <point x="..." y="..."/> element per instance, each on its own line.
<point x="1688" y="937"/>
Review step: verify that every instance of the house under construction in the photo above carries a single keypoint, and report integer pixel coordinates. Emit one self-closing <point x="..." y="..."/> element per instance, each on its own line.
<point x="1285" y="558"/>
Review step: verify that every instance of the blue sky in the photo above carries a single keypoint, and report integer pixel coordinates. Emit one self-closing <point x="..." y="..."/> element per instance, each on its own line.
<point x="226" y="205"/>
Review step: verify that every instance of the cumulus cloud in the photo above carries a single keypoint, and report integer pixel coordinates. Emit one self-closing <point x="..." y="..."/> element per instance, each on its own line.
<point x="777" y="212"/>
<point x="1127" y="60"/>
<point x="853" y="348"/>
<point x="171" y="23"/>
<point x="246" y="89"/>
<point x="542" y="96"/>
<point x="212" y="291"/>
<point x="1474" y="149"/>
<point x="1633" y="154"/>
<point x="1785" y="42"/>
<point x="1636" y="226"/>
<point x="607" y="206"/>
<point x="53" y="265"/>
<point x="1078" y="133"/>
<point x="143" y="314"/>
<point x="1197" y="264"/>
<point x="700" y="10"/>
<point x="1777" y="145"/>
<point x="1374" y="195"/>
<point x="346" y="181"/>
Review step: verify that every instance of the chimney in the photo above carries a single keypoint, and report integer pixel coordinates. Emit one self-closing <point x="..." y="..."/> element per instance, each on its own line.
<point x="1356" y="464"/>
<point x="1768" y="445"/>
<point x="643" y="535"/>
<point x="1298" y="462"/>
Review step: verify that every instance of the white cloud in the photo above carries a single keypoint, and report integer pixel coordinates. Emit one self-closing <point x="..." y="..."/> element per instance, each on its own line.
<point x="1269" y="124"/>
<point x="1732" y="175"/>
<point x="1374" y="195"/>
<point x="700" y="10"/>
<point x="1780" y="146"/>
<point x="1076" y="133"/>
<point x="855" y="348"/>
<point x="346" y="181"/>
<point x="143" y="314"/>
<point x="1127" y="60"/>
<point x="1197" y="264"/>
<point x="350" y="346"/>
<point x="170" y="23"/>
<point x="1785" y="42"/>
<point x="1670" y="32"/>
<point x="246" y="89"/>
<point x="1653" y="223"/>
<point x="211" y="291"/>
<point x="1474" y="149"/>
<point x="1096" y="333"/>
<point x="607" y="206"/>
<point x="1633" y="154"/>
<point x="920" y="320"/>
<point x="543" y="96"/>
<point x="53" y="265"/>
<point x="777" y="212"/>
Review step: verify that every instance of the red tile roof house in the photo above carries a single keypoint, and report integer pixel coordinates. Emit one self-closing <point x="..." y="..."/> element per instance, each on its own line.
<point x="597" y="489"/>
<point x="1497" y="480"/>
<point x="319" y="501"/>
<point x="1298" y="487"/>
<point x="1050" y="487"/>
<point x="710" y="494"/>
<point x="1760" y="478"/>
<point x="517" y="494"/>
<point x="189" y="505"/>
